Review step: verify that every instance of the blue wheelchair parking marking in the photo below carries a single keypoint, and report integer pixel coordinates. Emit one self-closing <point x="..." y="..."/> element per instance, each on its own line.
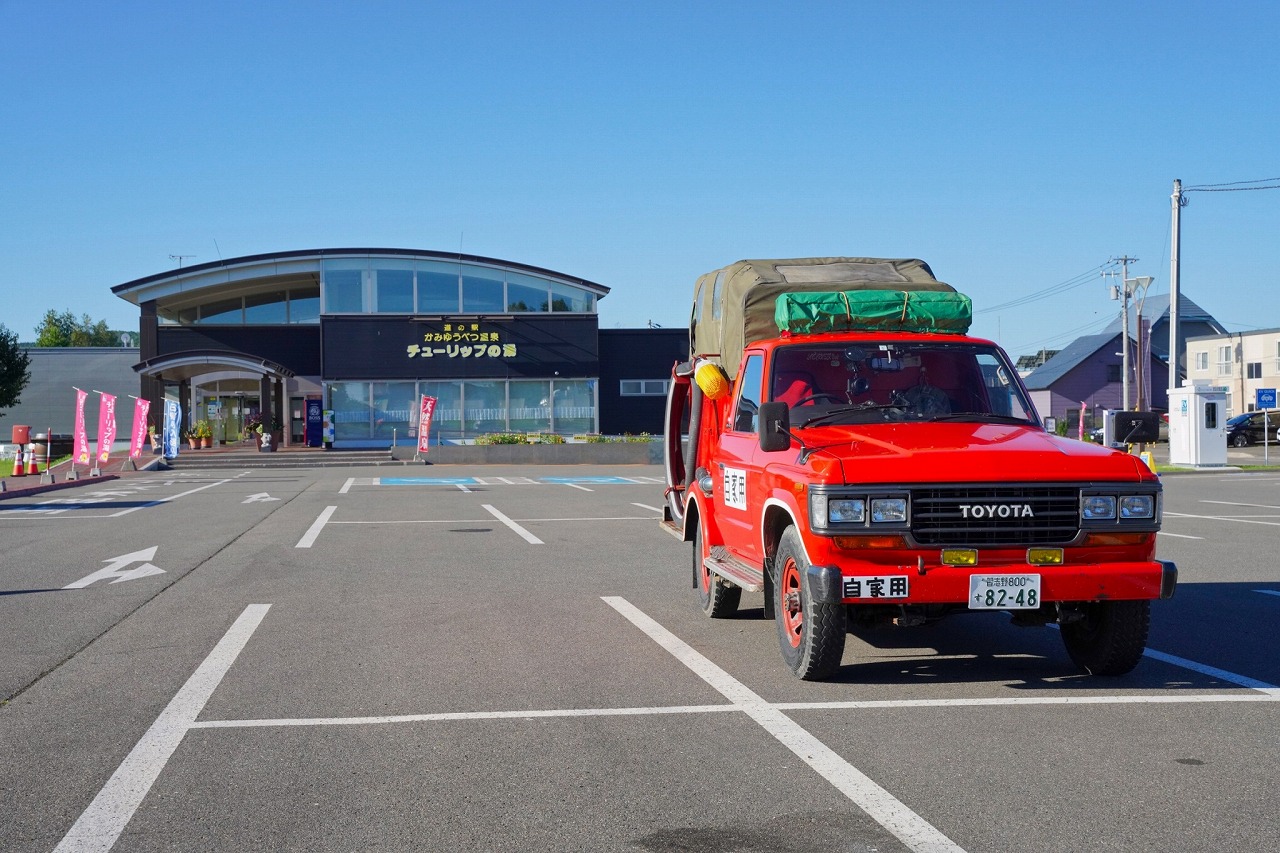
<point x="600" y="481"/>
<point x="427" y="481"/>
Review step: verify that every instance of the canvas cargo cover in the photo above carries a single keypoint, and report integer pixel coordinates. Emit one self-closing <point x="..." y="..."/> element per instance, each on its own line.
<point x="735" y="305"/>
<point x="812" y="313"/>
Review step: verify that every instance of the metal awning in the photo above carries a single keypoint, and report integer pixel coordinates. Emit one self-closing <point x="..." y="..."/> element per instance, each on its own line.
<point x="185" y="365"/>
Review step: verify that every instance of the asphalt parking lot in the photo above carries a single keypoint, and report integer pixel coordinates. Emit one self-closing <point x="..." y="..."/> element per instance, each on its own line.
<point x="482" y="658"/>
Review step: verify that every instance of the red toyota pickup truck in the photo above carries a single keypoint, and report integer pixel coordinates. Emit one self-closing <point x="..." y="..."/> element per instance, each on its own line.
<point x="838" y="441"/>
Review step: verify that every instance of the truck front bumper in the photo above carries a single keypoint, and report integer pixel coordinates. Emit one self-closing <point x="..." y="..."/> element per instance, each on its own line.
<point x="1156" y="579"/>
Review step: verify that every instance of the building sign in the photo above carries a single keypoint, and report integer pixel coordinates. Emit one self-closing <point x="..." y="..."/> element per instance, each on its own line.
<point x="387" y="348"/>
<point x="468" y="339"/>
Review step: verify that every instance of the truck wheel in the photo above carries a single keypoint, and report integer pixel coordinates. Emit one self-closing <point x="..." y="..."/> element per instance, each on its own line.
<point x="718" y="597"/>
<point x="1111" y="637"/>
<point x="811" y="635"/>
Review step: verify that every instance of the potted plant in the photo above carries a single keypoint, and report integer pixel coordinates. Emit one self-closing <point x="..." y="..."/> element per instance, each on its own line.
<point x="267" y="438"/>
<point x="193" y="438"/>
<point x="204" y="431"/>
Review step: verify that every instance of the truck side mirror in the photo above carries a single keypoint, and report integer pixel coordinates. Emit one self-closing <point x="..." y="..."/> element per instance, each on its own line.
<point x="775" y="427"/>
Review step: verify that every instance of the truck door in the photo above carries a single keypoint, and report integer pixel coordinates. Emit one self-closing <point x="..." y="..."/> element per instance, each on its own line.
<point x="738" y="492"/>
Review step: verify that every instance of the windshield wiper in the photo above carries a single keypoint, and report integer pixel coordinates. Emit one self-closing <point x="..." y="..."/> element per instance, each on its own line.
<point x="982" y="417"/>
<point x="847" y="410"/>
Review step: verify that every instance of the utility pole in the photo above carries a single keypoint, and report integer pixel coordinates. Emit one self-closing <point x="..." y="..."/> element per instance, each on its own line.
<point x="1124" y="340"/>
<point x="1175" y="269"/>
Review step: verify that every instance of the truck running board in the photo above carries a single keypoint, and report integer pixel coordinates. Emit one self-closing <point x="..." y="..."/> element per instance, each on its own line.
<point x="734" y="570"/>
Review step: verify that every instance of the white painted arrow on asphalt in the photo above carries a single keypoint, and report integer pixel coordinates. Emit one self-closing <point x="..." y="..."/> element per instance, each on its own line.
<point x="115" y="569"/>
<point x="260" y="497"/>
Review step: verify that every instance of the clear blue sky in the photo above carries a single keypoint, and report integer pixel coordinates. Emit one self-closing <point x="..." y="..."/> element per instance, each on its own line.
<point x="1015" y="146"/>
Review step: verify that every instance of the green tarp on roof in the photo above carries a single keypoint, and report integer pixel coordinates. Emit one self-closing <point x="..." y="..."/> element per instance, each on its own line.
<point x="873" y="310"/>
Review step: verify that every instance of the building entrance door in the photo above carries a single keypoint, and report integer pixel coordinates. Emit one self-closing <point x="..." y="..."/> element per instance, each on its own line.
<point x="297" y="420"/>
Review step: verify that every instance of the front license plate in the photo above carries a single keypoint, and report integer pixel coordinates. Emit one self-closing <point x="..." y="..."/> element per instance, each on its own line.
<point x="1004" y="592"/>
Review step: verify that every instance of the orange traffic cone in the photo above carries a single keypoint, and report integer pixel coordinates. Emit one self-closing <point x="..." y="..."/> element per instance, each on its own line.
<point x="18" y="469"/>
<point x="32" y="466"/>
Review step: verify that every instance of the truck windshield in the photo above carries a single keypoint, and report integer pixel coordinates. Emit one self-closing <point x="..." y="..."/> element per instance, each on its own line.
<point x="879" y="381"/>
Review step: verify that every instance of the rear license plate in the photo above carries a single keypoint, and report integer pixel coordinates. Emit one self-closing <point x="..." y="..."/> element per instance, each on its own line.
<point x="1004" y="592"/>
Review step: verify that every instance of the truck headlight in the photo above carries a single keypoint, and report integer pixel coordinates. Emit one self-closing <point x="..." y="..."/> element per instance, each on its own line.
<point x="1137" y="506"/>
<point x="885" y="510"/>
<point x="1098" y="507"/>
<point x="827" y="510"/>
<point x="846" y="510"/>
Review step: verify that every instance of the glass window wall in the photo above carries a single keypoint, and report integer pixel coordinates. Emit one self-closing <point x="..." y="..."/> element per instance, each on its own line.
<point x="344" y="286"/>
<point x="566" y="298"/>
<point x="575" y="405"/>
<point x="394" y="408"/>
<point x="266" y="308"/>
<point x="530" y="405"/>
<point x="446" y="420"/>
<point x="368" y="411"/>
<point x="484" y="407"/>
<point x="304" y="304"/>
<point x="393" y="288"/>
<point x="437" y="288"/>
<point x="526" y="293"/>
<point x="482" y="291"/>
<point x="352" y="415"/>
<point x="224" y="311"/>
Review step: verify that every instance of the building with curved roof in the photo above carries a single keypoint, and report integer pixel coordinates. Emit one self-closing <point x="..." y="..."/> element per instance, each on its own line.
<point x="363" y="333"/>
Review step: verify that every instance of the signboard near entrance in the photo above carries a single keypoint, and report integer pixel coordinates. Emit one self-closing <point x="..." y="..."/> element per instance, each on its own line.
<point x="315" y="422"/>
<point x="1266" y="398"/>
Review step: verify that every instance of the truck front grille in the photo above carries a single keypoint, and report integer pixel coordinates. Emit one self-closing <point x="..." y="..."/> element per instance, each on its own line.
<point x="995" y="515"/>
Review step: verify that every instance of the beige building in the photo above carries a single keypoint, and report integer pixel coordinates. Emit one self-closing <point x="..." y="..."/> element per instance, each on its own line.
<point x="1241" y="362"/>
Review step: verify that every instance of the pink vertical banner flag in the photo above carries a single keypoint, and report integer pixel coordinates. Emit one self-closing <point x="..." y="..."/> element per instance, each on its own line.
<point x="425" y="412"/>
<point x="139" y="435"/>
<point x="81" y="435"/>
<point x="106" y="427"/>
<point x="1084" y="408"/>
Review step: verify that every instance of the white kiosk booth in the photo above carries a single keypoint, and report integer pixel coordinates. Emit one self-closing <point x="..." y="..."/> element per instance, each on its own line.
<point x="1198" y="425"/>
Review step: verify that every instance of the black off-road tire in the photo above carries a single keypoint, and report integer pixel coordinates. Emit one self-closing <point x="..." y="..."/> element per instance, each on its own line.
<point x="811" y="635"/>
<point x="718" y="597"/>
<point x="1111" y="637"/>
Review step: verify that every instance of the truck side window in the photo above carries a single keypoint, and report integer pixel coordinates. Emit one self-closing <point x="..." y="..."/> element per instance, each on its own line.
<point x="748" y="403"/>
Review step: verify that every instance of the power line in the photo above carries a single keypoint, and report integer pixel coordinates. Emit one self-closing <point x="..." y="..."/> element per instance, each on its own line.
<point x="1053" y="290"/>
<point x="1235" y="186"/>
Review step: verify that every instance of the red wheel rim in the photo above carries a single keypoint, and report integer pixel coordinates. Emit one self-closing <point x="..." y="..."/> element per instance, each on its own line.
<point x="789" y="604"/>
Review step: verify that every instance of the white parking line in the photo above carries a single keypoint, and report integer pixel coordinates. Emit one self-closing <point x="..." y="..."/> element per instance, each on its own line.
<point x="576" y="486"/>
<point x="907" y="826"/>
<point x="646" y="506"/>
<point x="1212" y="671"/>
<point x="1178" y="535"/>
<point x="308" y="539"/>
<point x="524" y="534"/>
<point x="1222" y="518"/>
<point x="100" y="825"/>
<point x="351" y="481"/>
<point x="1234" y="503"/>
<point x="170" y="498"/>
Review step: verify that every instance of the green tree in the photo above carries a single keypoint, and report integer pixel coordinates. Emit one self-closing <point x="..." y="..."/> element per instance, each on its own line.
<point x="15" y="368"/>
<point x="64" y="330"/>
